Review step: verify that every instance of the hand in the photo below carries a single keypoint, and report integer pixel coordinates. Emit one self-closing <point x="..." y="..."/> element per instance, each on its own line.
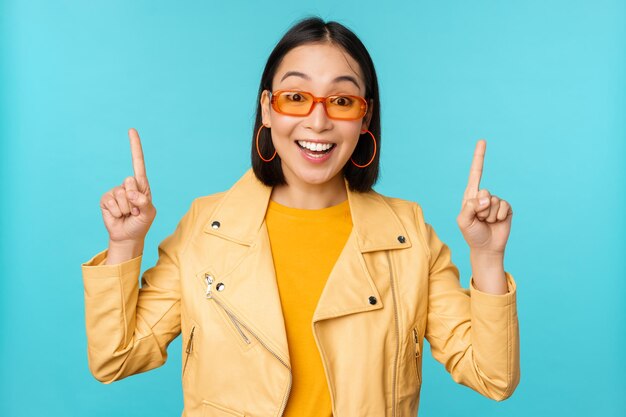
<point x="127" y="209"/>
<point x="485" y="227"/>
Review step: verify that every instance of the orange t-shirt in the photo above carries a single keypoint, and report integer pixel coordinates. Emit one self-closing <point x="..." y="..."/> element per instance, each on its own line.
<point x="305" y="246"/>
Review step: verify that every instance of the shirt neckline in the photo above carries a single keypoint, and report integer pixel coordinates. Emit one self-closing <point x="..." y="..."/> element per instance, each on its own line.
<point x="337" y="210"/>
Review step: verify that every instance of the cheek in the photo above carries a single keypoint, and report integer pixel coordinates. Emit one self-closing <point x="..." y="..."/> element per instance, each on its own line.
<point x="351" y="134"/>
<point x="281" y="130"/>
<point x="283" y="125"/>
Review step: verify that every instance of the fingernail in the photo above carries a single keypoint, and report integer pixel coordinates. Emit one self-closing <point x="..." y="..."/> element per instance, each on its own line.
<point x="131" y="195"/>
<point x="135" y="210"/>
<point x="483" y="201"/>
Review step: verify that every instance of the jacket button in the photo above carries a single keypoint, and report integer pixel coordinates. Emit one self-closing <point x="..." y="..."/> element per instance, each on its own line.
<point x="215" y="225"/>
<point x="401" y="239"/>
<point x="220" y="286"/>
<point x="372" y="300"/>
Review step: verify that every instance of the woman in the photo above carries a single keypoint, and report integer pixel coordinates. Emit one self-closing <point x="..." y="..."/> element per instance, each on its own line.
<point x="301" y="291"/>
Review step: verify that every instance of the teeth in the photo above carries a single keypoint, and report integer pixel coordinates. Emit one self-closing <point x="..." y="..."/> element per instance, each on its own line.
<point x="313" y="146"/>
<point x="321" y="155"/>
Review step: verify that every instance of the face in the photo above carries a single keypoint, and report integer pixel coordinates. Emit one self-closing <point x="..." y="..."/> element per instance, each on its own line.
<point x="323" y="70"/>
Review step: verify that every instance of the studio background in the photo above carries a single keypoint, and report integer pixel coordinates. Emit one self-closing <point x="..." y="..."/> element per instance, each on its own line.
<point x="543" y="82"/>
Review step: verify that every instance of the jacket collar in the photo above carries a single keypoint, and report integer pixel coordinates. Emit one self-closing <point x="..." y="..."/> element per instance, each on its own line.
<point x="241" y="214"/>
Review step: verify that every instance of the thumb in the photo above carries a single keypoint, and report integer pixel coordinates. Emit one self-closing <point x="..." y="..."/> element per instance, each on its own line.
<point x="470" y="207"/>
<point x="138" y="199"/>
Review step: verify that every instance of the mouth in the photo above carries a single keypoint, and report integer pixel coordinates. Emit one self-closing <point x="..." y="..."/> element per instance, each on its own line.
<point x="314" y="149"/>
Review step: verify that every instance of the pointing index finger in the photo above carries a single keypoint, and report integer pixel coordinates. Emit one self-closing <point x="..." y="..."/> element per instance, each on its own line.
<point x="139" y="166"/>
<point x="476" y="170"/>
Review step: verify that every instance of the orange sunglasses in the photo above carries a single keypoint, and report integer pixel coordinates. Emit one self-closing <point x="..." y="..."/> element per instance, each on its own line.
<point x="301" y="103"/>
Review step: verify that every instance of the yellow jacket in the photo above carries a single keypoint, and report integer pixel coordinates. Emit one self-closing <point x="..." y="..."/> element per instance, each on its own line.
<point x="393" y="284"/>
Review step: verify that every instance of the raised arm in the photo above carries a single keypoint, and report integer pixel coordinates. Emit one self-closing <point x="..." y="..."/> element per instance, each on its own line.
<point x="127" y="209"/>
<point x="475" y="332"/>
<point x="485" y="221"/>
<point x="129" y="328"/>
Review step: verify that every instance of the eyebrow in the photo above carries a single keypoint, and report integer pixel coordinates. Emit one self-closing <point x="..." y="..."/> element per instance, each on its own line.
<point x="336" y="80"/>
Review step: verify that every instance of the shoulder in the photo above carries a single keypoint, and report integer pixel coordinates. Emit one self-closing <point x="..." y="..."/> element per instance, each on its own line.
<point x="207" y="202"/>
<point x="202" y="207"/>
<point x="406" y="210"/>
<point x="411" y="216"/>
<point x="199" y="211"/>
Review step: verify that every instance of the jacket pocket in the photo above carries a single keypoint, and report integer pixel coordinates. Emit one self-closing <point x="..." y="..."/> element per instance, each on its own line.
<point x="211" y="409"/>
<point x="188" y="347"/>
<point x="417" y="360"/>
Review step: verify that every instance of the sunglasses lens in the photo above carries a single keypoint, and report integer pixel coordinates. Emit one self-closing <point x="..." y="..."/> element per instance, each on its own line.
<point x="345" y="107"/>
<point x="295" y="103"/>
<point x="298" y="103"/>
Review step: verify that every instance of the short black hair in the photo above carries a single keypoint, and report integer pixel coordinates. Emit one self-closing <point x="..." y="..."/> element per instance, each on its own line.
<point x="315" y="30"/>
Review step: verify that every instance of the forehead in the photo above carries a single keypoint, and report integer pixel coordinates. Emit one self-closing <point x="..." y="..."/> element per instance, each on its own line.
<point x="319" y="65"/>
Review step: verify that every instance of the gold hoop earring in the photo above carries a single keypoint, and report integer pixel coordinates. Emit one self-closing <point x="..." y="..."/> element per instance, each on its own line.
<point x="371" y="160"/>
<point x="257" y="146"/>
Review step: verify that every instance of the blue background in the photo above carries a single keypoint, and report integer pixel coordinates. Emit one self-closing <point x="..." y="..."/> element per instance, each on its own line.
<point x="543" y="82"/>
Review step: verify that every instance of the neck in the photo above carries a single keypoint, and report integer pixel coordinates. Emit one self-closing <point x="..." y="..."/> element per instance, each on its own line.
<point x="298" y="194"/>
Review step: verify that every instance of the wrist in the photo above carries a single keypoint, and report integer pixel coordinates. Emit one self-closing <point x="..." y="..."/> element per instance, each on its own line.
<point x="488" y="271"/>
<point x="121" y="251"/>
<point x="487" y="256"/>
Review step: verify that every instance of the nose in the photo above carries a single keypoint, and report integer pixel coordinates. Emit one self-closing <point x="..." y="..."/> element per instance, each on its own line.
<point x="318" y="120"/>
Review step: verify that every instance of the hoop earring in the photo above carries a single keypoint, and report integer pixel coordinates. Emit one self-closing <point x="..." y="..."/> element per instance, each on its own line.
<point x="257" y="146"/>
<point x="371" y="160"/>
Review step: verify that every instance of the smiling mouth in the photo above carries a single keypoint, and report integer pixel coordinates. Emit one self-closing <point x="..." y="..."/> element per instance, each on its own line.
<point x="315" y="149"/>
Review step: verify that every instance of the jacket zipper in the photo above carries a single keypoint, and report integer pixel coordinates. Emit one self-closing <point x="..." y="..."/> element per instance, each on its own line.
<point x="245" y="338"/>
<point x="395" y="360"/>
<point x="189" y="348"/>
<point x="209" y="281"/>
<point x="417" y="353"/>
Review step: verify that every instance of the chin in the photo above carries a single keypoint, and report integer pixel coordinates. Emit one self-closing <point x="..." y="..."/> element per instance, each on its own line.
<point x="315" y="177"/>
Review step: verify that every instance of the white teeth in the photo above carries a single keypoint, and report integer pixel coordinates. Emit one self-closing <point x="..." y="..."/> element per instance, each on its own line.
<point x="316" y="156"/>
<point x="313" y="146"/>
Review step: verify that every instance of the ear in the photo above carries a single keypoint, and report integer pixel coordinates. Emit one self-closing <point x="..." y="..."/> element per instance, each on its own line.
<point x="265" y="109"/>
<point x="368" y="116"/>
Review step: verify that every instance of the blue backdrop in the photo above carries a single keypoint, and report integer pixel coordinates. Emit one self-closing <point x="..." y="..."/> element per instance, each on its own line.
<point x="543" y="82"/>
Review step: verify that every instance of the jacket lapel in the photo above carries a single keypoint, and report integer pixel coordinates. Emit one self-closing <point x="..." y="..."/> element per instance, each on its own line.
<point x="252" y="292"/>
<point x="350" y="284"/>
<point x="243" y="262"/>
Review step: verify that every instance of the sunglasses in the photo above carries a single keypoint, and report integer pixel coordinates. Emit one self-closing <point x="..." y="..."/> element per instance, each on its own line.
<point x="301" y="103"/>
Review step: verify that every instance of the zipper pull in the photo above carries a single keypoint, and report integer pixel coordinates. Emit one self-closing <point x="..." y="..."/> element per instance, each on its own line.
<point x="209" y="281"/>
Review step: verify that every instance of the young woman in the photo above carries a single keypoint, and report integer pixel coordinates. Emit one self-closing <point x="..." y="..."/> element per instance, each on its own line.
<point x="301" y="291"/>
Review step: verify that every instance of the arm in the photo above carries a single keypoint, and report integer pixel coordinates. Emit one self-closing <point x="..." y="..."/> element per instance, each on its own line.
<point x="474" y="334"/>
<point x="129" y="328"/>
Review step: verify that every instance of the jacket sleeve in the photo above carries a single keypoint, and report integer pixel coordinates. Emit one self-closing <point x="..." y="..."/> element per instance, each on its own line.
<point x="474" y="334"/>
<point x="129" y="328"/>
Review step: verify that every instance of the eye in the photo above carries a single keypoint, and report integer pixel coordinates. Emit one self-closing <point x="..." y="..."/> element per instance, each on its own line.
<point x="296" y="97"/>
<point x="343" y="101"/>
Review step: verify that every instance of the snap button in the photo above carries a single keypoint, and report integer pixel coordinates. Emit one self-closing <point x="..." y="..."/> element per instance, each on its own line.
<point x="215" y="225"/>
<point x="401" y="239"/>
<point x="372" y="300"/>
<point x="220" y="286"/>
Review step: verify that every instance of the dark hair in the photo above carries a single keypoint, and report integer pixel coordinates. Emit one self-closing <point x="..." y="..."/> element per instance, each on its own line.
<point x="314" y="30"/>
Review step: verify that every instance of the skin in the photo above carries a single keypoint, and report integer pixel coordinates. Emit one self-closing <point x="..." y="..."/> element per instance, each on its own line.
<point x="485" y="222"/>
<point x="128" y="212"/>
<point x="127" y="209"/>
<point x="312" y="185"/>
